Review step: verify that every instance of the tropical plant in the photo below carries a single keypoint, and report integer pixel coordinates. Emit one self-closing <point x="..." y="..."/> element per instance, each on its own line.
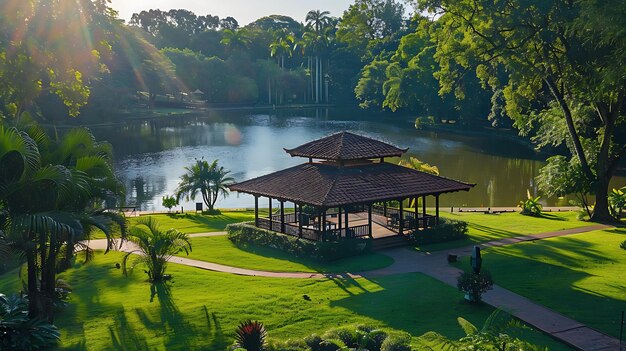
<point x="47" y="207"/>
<point x="251" y="335"/>
<point x="494" y="335"/>
<point x="155" y="247"/>
<point x="418" y="165"/>
<point x="617" y="201"/>
<point x="19" y="332"/>
<point x="210" y="180"/>
<point x="531" y="206"/>
<point x="235" y="39"/>
<point x="169" y="202"/>
<point x="474" y="285"/>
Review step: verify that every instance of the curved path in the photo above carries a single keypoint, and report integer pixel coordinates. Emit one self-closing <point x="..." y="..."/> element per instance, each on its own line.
<point x="435" y="265"/>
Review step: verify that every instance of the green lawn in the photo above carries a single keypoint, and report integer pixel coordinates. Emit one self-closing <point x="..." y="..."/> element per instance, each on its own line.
<point x="198" y="223"/>
<point x="198" y="310"/>
<point x="487" y="227"/>
<point x="219" y="249"/>
<point x="581" y="276"/>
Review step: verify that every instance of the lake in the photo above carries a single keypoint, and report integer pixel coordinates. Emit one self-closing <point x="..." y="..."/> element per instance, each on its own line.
<point x="151" y="154"/>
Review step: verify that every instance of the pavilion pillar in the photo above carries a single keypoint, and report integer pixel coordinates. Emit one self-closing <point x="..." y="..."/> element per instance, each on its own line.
<point x="347" y="224"/>
<point x="385" y="208"/>
<point x="437" y="209"/>
<point x="401" y="219"/>
<point x="369" y="220"/>
<point x="300" y="222"/>
<point x="270" y="212"/>
<point x="282" y="216"/>
<point x="256" y="211"/>
<point x="424" y="223"/>
<point x="339" y="221"/>
<point x="417" y="222"/>
<point x="323" y="221"/>
<point x="295" y="212"/>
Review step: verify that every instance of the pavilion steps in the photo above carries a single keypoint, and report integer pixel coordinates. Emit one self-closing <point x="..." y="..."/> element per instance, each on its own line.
<point x="390" y="242"/>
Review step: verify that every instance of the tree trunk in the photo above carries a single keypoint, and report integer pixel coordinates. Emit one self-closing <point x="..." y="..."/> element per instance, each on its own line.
<point x="34" y="305"/>
<point x="601" y="208"/>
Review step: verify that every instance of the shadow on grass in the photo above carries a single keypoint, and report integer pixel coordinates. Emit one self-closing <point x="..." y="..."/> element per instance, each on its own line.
<point x="180" y="333"/>
<point x="123" y="336"/>
<point x="414" y="303"/>
<point x="552" y="217"/>
<point x="559" y="283"/>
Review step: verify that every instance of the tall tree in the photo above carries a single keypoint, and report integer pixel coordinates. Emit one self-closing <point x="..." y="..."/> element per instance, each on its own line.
<point x="317" y="19"/>
<point x="562" y="78"/>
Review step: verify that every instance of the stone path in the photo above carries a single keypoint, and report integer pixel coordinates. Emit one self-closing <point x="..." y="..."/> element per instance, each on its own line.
<point x="435" y="265"/>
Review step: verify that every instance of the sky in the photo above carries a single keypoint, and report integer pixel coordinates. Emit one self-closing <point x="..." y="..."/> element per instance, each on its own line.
<point x="244" y="11"/>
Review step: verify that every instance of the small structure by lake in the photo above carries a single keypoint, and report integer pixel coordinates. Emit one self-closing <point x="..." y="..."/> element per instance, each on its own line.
<point x="344" y="191"/>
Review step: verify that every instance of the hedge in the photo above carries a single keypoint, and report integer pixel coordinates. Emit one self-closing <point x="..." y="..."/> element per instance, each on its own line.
<point x="243" y="234"/>
<point x="447" y="230"/>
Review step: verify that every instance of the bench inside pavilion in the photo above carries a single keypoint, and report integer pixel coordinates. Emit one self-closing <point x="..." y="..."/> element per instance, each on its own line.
<point x="345" y="190"/>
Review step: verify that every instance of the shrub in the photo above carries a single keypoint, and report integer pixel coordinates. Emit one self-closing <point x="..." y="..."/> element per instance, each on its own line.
<point x="251" y="336"/>
<point x="474" y="285"/>
<point x="447" y="230"/>
<point x="531" y="207"/>
<point x="623" y="245"/>
<point x="18" y="332"/>
<point x="169" y="202"/>
<point x="347" y="336"/>
<point x="244" y="234"/>
<point x="397" y="343"/>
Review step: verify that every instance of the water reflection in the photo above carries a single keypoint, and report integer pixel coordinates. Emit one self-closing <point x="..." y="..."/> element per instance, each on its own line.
<point x="151" y="155"/>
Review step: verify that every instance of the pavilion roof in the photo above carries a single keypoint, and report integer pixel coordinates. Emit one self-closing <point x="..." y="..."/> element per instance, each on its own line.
<point x="326" y="185"/>
<point x="346" y="146"/>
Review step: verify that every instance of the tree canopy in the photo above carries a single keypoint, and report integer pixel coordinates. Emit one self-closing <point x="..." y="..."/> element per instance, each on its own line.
<point x="562" y="79"/>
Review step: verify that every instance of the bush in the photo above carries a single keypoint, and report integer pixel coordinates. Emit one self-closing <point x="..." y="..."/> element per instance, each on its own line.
<point x="18" y="332"/>
<point x="531" y="207"/>
<point x="397" y="343"/>
<point x="169" y="202"/>
<point x="251" y="336"/>
<point x="447" y="230"/>
<point x="244" y="234"/>
<point x="475" y="285"/>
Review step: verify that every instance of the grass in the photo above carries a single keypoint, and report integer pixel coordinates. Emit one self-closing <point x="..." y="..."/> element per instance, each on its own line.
<point x="581" y="275"/>
<point x="198" y="310"/>
<point x="197" y="223"/>
<point x="486" y="227"/>
<point x="219" y="249"/>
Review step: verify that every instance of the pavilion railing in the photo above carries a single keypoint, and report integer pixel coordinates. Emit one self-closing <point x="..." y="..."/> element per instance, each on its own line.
<point x="289" y="218"/>
<point x="393" y="214"/>
<point x="331" y="234"/>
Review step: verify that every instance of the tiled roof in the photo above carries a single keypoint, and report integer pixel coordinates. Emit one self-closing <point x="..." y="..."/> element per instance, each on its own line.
<point x="346" y="146"/>
<point x="325" y="185"/>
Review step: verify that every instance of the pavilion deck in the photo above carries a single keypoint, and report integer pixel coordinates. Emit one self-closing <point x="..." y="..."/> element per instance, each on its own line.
<point x="382" y="225"/>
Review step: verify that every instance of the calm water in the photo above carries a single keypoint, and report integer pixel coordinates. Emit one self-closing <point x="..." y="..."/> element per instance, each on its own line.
<point x="150" y="155"/>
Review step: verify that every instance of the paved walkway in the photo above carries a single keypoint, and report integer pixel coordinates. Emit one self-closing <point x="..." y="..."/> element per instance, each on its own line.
<point x="435" y="265"/>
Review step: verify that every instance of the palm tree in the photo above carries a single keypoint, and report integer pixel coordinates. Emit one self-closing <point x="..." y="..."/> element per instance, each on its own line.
<point x="155" y="247"/>
<point x="210" y="180"/>
<point x="40" y="206"/>
<point x="235" y="39"/>
<point x="317" y="19"/>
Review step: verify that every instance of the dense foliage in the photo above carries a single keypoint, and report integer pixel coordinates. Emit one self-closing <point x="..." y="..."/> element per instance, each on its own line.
<point x="18" y="331"/>
<point x="243" y="234"/>
<point x="447" y="230"/>
<point x="497" y="333"/>
<point x="559" y="71"/>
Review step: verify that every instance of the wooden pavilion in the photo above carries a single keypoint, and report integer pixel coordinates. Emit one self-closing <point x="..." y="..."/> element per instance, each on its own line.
<point x="344" y="189"/>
